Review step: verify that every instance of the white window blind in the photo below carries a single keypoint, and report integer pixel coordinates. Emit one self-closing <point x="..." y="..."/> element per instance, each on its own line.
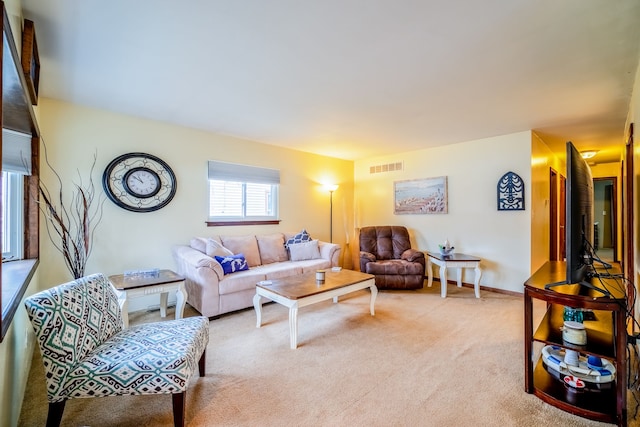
<point x="234" y="172"/>
<point x="16" y="152"/>
<point x="240" y="192"/>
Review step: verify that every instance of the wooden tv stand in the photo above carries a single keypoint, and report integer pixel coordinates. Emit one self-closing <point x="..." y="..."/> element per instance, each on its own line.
<point x="606" y="337"/>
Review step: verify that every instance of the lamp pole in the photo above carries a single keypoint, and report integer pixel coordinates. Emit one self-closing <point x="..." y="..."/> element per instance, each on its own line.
<point x="331" y="188"/>
<point x="330" y="216"/>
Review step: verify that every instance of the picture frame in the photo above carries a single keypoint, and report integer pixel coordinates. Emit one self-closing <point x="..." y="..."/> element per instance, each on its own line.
<point x="30" y="60"/>
<point x="421" y="196"/>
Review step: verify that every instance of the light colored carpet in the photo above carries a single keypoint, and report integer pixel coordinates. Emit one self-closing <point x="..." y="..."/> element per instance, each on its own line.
<point x="420" y="361"/>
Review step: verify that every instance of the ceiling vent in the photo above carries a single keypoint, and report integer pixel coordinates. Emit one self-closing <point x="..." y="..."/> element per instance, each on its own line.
<point x="389" y="167"/>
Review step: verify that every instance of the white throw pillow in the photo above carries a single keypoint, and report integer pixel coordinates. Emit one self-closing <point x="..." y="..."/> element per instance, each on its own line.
<point x="216" y="249"/>
<point x="303" y="251"/>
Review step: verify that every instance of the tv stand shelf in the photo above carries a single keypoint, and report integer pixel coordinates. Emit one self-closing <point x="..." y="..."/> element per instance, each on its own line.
<point x="606" y="337"/>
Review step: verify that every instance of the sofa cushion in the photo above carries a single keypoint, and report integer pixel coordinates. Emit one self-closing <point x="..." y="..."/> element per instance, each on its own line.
<point x="301" y="237"/>
<point x="233" y="263"/>
<point x="272" y="248"/>
<point x="247" y="245"/>
<point x="241" y="281"/>
<point x="214" y="248"/>
<point x="311" y="265"/>
<point x="279" y="270"/>
<point x="303" y="251"/>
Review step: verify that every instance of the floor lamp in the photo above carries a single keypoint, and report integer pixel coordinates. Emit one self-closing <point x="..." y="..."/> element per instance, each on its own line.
<point x="331" y="189"/>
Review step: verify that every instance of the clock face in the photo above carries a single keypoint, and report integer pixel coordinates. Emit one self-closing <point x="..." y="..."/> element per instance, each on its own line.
<point x="139" y="182"/>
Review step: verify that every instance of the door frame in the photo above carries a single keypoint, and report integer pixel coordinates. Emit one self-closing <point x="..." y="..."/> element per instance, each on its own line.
<point x="614" y="214"/>
<point x="554" y="244"/>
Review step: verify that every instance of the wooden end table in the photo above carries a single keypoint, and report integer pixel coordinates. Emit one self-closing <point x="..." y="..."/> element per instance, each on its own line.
<point x="458" y="261"/>
<point x="140" y="285"/>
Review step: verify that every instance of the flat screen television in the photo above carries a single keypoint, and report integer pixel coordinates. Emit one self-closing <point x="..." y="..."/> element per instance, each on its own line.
<point x="579" y="221"/>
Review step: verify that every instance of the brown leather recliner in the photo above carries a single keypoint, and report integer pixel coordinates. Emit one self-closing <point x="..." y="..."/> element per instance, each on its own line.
<point x="386" y="253"/>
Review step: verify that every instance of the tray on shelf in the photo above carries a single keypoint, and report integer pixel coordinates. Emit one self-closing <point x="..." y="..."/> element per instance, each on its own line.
<point x="553" y="358"/>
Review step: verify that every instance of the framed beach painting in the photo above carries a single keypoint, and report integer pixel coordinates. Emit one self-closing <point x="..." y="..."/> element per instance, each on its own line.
<point x="420" y="196"/>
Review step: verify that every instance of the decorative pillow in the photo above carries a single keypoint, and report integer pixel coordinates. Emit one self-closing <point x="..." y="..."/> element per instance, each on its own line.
<point x="272" y="248"/>
<point x="215" y="248"/>
<point x="301" y="237"/>
<point x="247" y="245"/>
<point x="303" y="251"/>
<point x="231" y="264"/>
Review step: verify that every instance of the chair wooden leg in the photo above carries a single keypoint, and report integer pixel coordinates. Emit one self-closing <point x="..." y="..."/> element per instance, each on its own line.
<point x="201" y="363"/>
<point x="178" y="408"/>
<point x="55" y="413"/>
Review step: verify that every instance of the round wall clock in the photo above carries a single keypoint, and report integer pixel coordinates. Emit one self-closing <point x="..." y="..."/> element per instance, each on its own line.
<point x="139" y="182"/>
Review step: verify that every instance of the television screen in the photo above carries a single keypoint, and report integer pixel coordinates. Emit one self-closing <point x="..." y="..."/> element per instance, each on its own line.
<point x="579" y="221"/>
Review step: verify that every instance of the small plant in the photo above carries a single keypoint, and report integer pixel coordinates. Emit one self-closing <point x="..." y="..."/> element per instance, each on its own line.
<point x="71" y="227"/>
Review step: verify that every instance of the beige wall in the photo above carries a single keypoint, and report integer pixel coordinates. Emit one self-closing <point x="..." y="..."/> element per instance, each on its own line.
<point x="542" y="160"/>
<point x="15" y="361"/>
<point x="126" y="240"/>
<point x="473" y="224"/>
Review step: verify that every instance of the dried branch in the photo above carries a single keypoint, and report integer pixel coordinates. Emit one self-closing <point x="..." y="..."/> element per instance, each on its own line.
<point x="71" y="227"/>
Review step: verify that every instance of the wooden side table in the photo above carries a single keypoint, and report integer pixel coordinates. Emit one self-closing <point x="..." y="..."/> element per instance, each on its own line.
<point x="137" y="286"/>
<point x="458" y="261"/>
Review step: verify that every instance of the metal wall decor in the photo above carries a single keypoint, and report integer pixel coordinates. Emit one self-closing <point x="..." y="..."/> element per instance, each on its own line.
<point x="510" y="192"/>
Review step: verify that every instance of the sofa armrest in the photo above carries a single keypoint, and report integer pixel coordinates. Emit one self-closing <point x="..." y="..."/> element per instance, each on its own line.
<point x="330" y="251"/>
<point x="413" y="255"/>
<point x="190" y="261"/>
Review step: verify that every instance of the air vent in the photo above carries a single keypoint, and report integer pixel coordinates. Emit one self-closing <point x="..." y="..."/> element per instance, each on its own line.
<point x="389" y="167"/>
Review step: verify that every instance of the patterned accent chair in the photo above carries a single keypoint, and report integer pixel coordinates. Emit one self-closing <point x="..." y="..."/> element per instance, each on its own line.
<point x="386" y="252"/>
<point x="87" y="353"/>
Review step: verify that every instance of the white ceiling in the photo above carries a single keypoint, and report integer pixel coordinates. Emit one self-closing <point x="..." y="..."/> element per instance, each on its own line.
<point x="351" y="78"/>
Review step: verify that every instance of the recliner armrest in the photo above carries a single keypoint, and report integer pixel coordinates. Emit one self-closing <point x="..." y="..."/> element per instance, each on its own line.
<point x="368" y="256"/>
<point x="413" y="255"/>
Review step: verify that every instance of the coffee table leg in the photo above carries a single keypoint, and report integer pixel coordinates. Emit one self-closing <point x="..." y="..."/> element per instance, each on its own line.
<point x="429" y="272"/>
<point x="293" y="327"/>
<point x="374" y="294"/>
<point x="257" y="305"/>
<point x="181" y="297"/>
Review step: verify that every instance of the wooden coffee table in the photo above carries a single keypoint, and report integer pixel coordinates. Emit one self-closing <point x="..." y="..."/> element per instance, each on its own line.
<point x="137" y="286"/>
<point x="302" y="290"/>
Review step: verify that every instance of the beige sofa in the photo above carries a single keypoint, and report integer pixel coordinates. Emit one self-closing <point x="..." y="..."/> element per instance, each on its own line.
<point x="212" y="292"/>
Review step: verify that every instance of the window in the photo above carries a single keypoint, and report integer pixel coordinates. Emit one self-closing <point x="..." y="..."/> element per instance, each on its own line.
<point x="12" y="209"/>
<point x="239" y="193"/>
